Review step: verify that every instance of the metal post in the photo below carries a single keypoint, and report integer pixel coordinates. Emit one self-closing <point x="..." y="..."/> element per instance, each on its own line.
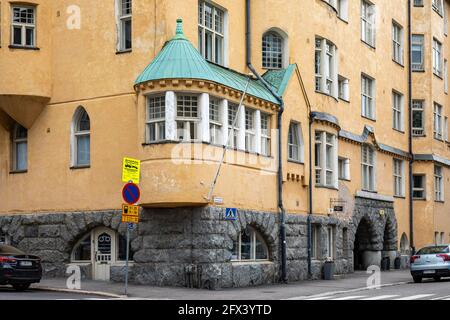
<point x="126" y="264"/>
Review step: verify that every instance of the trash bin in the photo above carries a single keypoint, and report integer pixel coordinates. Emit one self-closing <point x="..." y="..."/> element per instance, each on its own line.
<point x="385" y="264"/>
<point x="328" y="270"/>
<point x="397" y="263"/>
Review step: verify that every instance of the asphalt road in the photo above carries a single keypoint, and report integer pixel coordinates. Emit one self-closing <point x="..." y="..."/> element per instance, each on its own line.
<point x="427" y="290"/>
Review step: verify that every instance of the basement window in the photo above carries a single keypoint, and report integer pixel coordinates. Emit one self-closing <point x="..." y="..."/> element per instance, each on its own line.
<point x="250" y="246"/>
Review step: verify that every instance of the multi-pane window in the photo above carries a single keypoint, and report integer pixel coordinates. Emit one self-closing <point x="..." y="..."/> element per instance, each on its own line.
<point x="82" y="138"/>
<point x="437" y="58"/>
<point x="265" y="134"/>
<point x="367" y="97"/>
<point x="315" y="236"/>
<point x="341" y="7"/>
<point x="249" y="246"/>
<point x="418" y="186"/>
<point x="418" y="3"/>
<point x="233" y="125"/>
<point x="325" y="159"/>
<point x="368" y="168"/>
<point x="438" y="122"/>
<point x="295" y="143"/>
<point x="20" y="148"/>
<point x="23" y="26"/>
<point x="215" y="123"/>
<point x="211" y="32"/>
<point x="325" y="67"/>
<point x="397" y="111"/>
<point x="368" y="23"/>
<point x="417" y="52"/>
<point x="399" y="180"/>
<point x="156" y="113"/>
<point x="418" y="125"/>
<point x="445" y="76"/>
<point x="438" y="184"/>
<point x="187" y="117"/>
<point x="438" y="6"/>
<point x="249" y="130"/>
<point x="330" y="242"/>
<point x="397" y="43"/>
<point x="272" y="50"/>
<point x="125" y="22"/>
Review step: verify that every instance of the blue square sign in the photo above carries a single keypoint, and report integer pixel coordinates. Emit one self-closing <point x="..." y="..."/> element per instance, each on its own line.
<point x="231" y="214"/>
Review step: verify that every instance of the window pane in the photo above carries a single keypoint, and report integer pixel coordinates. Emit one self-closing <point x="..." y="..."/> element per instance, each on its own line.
<point x="83" y="251"/>
<point x="21" y="155"/>
<point x="261" y="252"/>
<point x="127" y="34"/>
<point x="29" y="36"/>
<point x="83" y="149"/>
<point x="17" y="37"/>
<point x="246" y="245"/>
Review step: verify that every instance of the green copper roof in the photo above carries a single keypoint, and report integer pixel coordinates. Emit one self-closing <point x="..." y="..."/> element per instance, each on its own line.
<point x="178" y="59"/>
<point x="279" y="79"/>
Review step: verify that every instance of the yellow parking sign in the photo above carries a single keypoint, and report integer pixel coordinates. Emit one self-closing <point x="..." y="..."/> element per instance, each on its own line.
<point x="131" y="170"/>
<point x="130" y="214"/>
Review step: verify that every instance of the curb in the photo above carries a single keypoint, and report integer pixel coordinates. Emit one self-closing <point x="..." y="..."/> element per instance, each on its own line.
<point x="332" y="293"/>
<point x="85" y="292"/>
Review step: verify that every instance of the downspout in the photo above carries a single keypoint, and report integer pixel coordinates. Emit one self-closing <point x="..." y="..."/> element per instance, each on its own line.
<point x="310" y="191"/>
<point x="410" y="147"/>
<point x="279" y="127"/>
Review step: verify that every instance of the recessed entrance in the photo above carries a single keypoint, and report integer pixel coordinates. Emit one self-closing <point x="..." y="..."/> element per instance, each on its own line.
<point x="362" y="243"/>
<point x="101" y="248"/>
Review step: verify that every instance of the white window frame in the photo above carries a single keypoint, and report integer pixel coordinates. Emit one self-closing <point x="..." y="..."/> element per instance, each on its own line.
<point x="16" y="141"/>
<point x="437" y="58"/>
<point x="397" y="42"/>
<point x="250" y="130"/>
<point x="295" y="142"/>
<point x="23" y="26"/>
<point x="330" y="243"/>
<point x="233" y="131"/>
<point x="325" y="168"/>
<point x="368" y="166"/>
<point x="214" y="30"/>
<point x="438" y="6"/>
<point x="399" y="177"/>
<point x="326" y="66"/>
<point x="76" y="134"/>
<point x="438" y="122"/>
<point x="187" y="124"/>
<point x="315" y="236"/>
<point x="368" y="20"/>
<point x="418" y="107"/>
<point x="368" y="97"/>
<point x="344" y="168"/>
<point x="122" y="19"/>
<point x="421" y="189"/>
<point x="159" y="122"/>
<point x="418" y="41"/>
<point x="438" y="184"/>
<point x="254" y="235"/>
<point x="215" y="121"/>
<point x="344" y="88"/>
<point x="397" y="111"/>
<point x="273" y="50"/>
<point x="445" y="76"/>
<point x="265" y="134"/>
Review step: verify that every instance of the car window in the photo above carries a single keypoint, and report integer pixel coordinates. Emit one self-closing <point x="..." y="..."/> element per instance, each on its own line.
<point x="434" y="250"/>
<point x="8" y="250"/>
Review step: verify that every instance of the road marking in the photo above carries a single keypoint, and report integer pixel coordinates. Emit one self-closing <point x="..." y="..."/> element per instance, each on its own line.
<point x="416" y="297"/>
<point x="349" y="298"/>
<point x="442" y="298"/>
<point x="384" y="297"/>
<point x="321" y="298"/>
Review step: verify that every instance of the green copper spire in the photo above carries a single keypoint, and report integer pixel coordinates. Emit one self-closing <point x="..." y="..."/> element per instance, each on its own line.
<point x="179" y="35"/>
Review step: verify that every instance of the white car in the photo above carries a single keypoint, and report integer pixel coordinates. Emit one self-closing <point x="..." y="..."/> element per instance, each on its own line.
<point x="431" y="262"/>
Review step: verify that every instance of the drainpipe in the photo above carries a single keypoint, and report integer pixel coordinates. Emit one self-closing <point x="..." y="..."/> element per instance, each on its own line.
<point x="279" y="127"/>
<point x="410" y="148"/>
<point x="310" y="191"/>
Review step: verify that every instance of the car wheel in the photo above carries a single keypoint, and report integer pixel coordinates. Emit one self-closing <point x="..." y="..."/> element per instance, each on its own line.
<point x="417" y="279"/>
<point x="21" y="286"/>
<point x="437" y="278"/>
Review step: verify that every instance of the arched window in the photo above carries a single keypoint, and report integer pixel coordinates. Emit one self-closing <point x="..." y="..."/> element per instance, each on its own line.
<point x="295" y="142"/>
<point x="20" y="148"/>
<point x="272" y="50"/>
<point x="82" y="250"/>
<point x="81" y="138"/>
<point x="250" y="246"/>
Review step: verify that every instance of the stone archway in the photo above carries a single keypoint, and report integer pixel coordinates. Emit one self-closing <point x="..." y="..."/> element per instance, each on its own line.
<point x="363" y="244"/>
<point x="390" y="240"/>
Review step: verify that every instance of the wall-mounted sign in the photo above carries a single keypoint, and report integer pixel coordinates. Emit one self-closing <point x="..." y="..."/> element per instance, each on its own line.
<point x="131" y="193"/>
<point x="130" y="214"/>
<point x="231" y="214"/>
<point x="131" y="170"/>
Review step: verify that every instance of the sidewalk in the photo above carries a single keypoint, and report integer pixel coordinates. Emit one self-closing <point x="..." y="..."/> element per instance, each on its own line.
<point x="353" y="281"/>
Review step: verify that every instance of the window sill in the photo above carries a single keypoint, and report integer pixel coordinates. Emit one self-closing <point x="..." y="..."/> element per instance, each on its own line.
<point x="247" y="262"/>
<point x="80" y="167"/>
<point x="398" y="63"/>
<point x="419" y="135"/>
<point x="23" y="47"/>
<point x="344" y="100"/>
<point x="399" y="197"/>
<point x="123" y="51"/>
<point x="419" y="70"/>
<point x="371" y="119"/>
<point x="327" y="94"/>
<point x="439" y="201"/>
<point x="345" y="179"/>
<point x="399" y="131"/>
<point x="319" y="186"/>
<point x="371" y="46"/>
<point x="296" y="161"/>
<point x="438" y="76"/>
<point x="419" y="199"/>
<point x="18" y="171"/>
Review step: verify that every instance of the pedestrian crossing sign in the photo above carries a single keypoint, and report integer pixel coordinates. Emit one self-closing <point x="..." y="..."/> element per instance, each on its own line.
<point x="231" y="214"/>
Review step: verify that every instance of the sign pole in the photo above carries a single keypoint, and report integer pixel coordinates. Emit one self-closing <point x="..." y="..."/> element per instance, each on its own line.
<point x="126" y="263"/>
